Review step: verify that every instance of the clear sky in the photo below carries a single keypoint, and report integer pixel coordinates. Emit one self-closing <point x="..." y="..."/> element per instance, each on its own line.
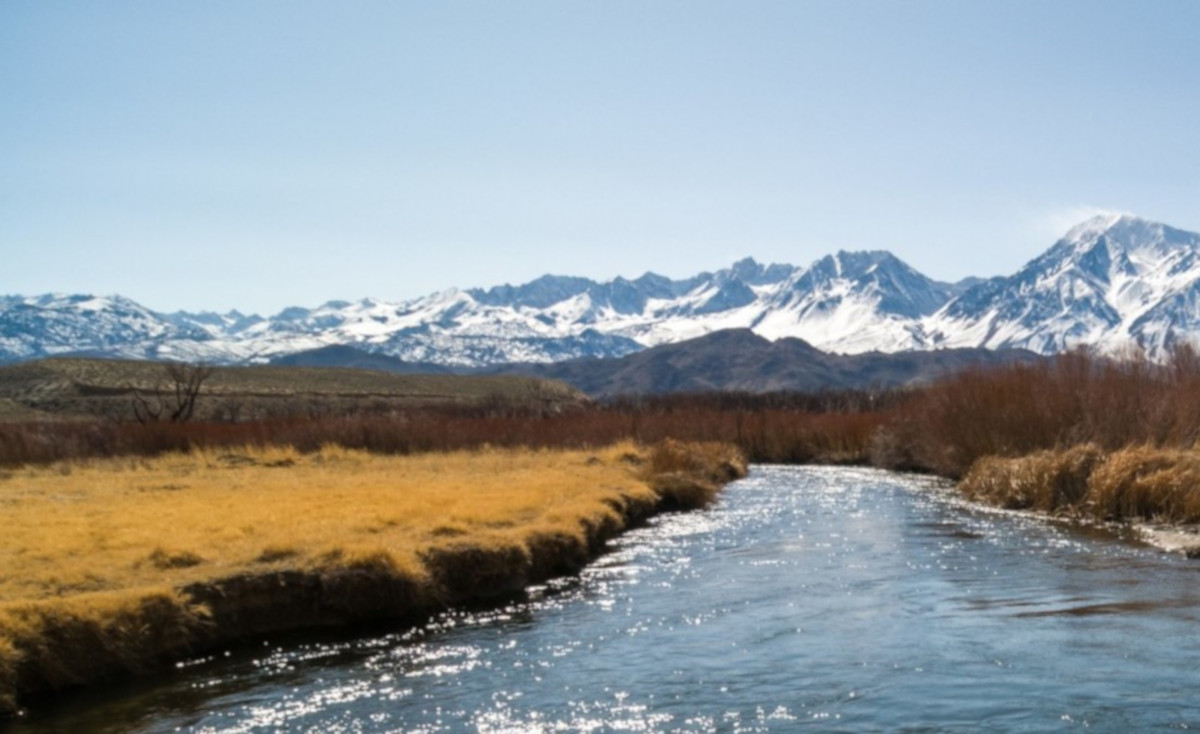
<point x="256" y="154"/>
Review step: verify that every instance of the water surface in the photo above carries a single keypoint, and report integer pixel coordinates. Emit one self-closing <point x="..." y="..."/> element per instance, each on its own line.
<point x="811" y="599"/>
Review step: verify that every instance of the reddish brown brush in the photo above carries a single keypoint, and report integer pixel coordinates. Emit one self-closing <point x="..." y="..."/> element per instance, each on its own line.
<point x="1074" y="399"/>
<point x="773" y="435"/>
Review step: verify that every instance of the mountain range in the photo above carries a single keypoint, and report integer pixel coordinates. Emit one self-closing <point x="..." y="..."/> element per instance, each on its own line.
<point x="1112" y="282"/>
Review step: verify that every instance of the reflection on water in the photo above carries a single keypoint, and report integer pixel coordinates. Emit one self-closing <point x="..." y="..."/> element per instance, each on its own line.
<point x="810" y="598"/>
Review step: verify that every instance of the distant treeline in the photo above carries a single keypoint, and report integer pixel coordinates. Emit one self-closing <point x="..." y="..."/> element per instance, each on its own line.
<point x="942" y="428"/>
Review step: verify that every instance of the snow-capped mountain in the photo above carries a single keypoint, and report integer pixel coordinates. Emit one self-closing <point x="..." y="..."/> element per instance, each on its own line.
<point x="37" y="326"/>
<point x="1113" y="281"/>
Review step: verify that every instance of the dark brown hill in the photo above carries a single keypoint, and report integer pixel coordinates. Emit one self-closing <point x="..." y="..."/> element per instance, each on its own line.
<point x="738" y="359"/>
<point x="342" y="355"/>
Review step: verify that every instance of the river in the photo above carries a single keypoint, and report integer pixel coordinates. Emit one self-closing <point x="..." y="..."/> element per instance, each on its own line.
<point x="811" y="599"/>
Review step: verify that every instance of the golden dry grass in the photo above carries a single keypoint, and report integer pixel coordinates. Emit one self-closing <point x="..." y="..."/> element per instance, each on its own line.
<point x="1147" y="483"/>
<point x="102" y="559"/>
<point x="178" y="519"/>
<point x="1134" y="483"/>
<point x="690" y="474"/>
<point x="1047" y="481"/>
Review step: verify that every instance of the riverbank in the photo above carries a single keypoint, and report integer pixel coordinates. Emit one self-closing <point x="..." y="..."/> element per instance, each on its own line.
<point x="1153" y="489"/>
<point x="121" y="566"/>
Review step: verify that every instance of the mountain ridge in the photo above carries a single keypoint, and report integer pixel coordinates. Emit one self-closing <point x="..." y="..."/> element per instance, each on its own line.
<point x="1112" y="282"/>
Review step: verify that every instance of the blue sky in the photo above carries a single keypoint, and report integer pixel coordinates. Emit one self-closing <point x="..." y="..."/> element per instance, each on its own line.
<point x="221" y="154"/>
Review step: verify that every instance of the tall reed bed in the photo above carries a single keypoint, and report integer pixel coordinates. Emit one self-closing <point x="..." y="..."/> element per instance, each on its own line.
<point x="1071" y="400"/>
<point x="787" y="433"/>
<point x="1104" y="439"/>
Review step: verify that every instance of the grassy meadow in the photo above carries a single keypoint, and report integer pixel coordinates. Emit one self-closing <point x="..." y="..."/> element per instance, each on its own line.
<point x="118" y="564"/>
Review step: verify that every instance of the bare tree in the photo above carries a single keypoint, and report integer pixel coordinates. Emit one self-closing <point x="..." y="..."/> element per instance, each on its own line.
<point x="230" y="409"/>
<point x="175" y="396"/>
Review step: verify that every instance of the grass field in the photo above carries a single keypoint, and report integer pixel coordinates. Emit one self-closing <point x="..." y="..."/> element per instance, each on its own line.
<point x="75" y="388"/>
<point x="119" y="564"/>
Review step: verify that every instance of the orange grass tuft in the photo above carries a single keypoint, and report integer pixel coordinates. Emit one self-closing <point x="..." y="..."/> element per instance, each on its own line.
<point x="1047" y="481"/>
<point x="689" y="475"/>
<point x="1135" y="483"/>
<point x="1147" y="483"/>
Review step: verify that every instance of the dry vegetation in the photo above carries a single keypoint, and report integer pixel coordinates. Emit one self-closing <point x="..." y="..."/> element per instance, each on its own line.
<point x="1109" y="440"/>
<point x="119" y="564"/>
<point x="766" y="434"/>
<point x="943" y="428"/>
<point x="1160" y="485"/>
<point x="1072" y="400"/>
<point x="1013" y="411"/>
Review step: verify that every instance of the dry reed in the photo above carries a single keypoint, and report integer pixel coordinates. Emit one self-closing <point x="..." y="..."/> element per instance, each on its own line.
<point x="1146" y="483"/>
<point x="1072" y="399"/>
<point x="1047" y="481"/>
<point x="1135" y="483"/>
<point x="775" y="428"/>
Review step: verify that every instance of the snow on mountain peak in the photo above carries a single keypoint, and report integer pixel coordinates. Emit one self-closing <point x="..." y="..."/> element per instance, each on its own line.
<point x="1111" y="280"/>
<point x="1125" y="245"/>
<point x="1095" y="226"/>
<point x="1127" y="232"/>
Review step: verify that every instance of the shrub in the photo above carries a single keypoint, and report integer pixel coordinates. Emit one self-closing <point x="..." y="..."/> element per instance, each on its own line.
<point x="1049" y="481"/>
<point x="1142" y="482"/>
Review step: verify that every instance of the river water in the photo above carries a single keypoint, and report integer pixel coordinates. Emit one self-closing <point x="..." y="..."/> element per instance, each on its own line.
<point x="807" y="599"/>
